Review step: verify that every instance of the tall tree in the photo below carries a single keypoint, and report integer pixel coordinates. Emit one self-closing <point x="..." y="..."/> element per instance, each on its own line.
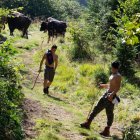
<point x="128" y="23"/>
<point x="126" y="55"/>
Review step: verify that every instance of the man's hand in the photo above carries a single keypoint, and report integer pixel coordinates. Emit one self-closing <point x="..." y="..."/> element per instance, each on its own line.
<point x="101" y="86"/>
<point x="110" y="97"/>
<point x="104" y="85"/>
<point x="39" y="71"/>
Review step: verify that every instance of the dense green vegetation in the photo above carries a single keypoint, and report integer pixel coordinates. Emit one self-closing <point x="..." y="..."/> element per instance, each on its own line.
<point x="10" y="91"/>
<point x="98" y="34"/>
<point x="10" y="94"/>
<point x="41" y="9"/>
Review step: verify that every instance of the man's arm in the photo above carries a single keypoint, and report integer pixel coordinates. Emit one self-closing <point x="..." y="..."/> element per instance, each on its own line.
<point x="104" y="85"/>
<point x="41" y="62"/>
<point x="118" y="84"/>
<point x="56" y="62"/>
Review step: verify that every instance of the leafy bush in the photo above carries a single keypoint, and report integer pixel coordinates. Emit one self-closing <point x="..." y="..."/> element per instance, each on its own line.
<point x="80" y="38"/>
<point x="10" y="95"/>
<point x="127" y="20"/>
<point x="100" y="76"/>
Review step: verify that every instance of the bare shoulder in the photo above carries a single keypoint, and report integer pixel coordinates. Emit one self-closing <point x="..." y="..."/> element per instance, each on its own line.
<point x="56" y="56"/>
<point x="118" y="77"/>
<point x="45" y="55"/>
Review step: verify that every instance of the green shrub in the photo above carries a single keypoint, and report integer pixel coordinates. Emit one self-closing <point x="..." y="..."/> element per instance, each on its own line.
<point x="100" y="76"/>
<point x="80" y="38"/>
<point x="126" y="55"/>
<point x="10" y="95"/>
<point x="79" y="53"/>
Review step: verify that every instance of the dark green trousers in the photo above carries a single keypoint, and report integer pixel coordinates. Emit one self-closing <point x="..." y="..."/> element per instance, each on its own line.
<point x="103" y="103"/>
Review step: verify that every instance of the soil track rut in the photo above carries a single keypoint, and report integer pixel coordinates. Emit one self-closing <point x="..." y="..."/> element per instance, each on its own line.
<point x="35" y="110"/>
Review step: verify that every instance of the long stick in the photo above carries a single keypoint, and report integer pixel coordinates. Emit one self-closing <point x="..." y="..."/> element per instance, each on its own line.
<point x="93" y="103"/>
<point x="38" y="73"/>
<point x="35" y="81"/>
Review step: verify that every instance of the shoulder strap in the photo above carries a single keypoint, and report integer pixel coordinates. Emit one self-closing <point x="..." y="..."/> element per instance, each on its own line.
<point x="49" y="56"/>
<point x="48" y="51"/>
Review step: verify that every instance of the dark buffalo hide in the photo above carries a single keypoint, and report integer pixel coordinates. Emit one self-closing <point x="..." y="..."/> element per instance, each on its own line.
<point x="44" y="26"/>
<point x="18" y="21"/>
<point x="54" y="28"/>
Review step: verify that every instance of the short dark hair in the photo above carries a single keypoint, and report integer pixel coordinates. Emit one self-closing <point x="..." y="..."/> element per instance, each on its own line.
<point x="115" y="64"/>
<point x="54" y="46"/>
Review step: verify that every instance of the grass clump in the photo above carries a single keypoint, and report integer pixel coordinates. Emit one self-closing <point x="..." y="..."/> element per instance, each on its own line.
<point x="131" y="132"/>
<point x="48" y="130"/>
<point x="129" y="91"/>
<point x="86" y="70"/>
<point x="49" y="136"/>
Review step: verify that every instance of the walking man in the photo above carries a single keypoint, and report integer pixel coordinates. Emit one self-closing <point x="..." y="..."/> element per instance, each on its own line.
<point x="105" y="102"/>
<point x="51" y="60"/>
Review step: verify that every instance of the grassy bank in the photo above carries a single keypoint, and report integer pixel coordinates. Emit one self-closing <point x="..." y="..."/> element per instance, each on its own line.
<point x="73" y="91"/>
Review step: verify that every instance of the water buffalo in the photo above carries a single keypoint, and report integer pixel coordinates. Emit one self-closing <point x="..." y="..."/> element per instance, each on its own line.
<point x="54" y="28"/>
<point x="18" y="21"/>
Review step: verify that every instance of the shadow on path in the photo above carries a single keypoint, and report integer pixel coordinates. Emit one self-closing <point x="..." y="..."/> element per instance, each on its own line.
<point x="114" y="137"/>
<point x="58" y="99"/>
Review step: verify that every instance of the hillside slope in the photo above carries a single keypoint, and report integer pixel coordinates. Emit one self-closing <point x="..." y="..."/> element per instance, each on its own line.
<point x="57" y="115"/>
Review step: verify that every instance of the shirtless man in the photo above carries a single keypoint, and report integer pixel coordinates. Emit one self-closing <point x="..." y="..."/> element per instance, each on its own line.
<point x="105" y="102"/>
<point x="50" y="67"/>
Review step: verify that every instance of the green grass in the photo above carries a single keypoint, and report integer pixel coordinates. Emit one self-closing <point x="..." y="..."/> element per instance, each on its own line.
<point x="73" y="89"/>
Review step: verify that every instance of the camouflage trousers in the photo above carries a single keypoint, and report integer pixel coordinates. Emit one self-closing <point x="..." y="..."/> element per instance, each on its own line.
<point x="103" y="103"/>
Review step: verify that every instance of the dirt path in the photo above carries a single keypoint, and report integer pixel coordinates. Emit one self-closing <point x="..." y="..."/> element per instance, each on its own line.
<point x="33" y="109"/>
